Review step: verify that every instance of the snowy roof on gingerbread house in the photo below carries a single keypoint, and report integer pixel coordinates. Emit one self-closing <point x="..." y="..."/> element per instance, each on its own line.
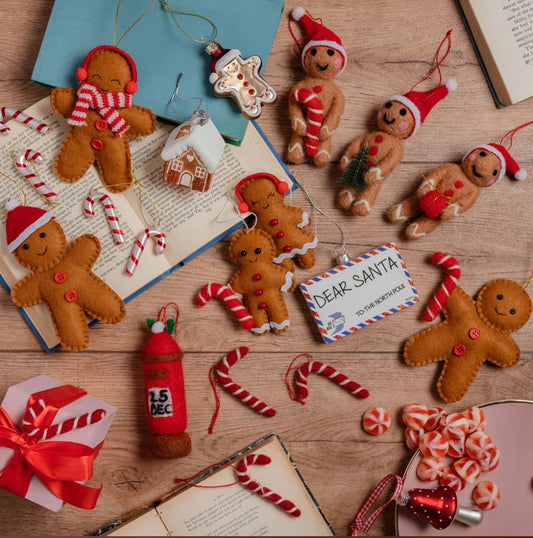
<point x="202" y="137"/>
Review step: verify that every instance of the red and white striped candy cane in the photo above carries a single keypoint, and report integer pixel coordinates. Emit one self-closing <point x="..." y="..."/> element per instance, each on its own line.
<point x="23" y="155"/>
<point x="439" y="300"/>
<point x="88" y="207"/>
<point x="254" y="486"/>
<point x="10" y="112"/>
<point x="68" y="425"/>
<point x="315" y="115"/>
<point x="320" y="368"/>
<point x="32" y="412"/>
<point x="231" y="300"/>
<point x="138" y="247"/>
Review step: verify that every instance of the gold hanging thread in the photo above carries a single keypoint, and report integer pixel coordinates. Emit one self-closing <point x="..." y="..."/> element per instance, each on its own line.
<point x="17" y="185"/>
<point x="115" y="42"/>
<point x="201" y="41"/>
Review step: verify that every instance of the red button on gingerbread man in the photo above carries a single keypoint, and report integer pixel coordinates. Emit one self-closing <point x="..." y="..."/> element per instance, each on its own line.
<point x="102" y="119"/>
<point x="61" y="277"/>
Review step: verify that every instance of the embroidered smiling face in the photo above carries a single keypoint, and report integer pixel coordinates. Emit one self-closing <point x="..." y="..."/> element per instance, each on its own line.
<point x="43" y="248"/>
<point x="323" y="62"/>
<point x="250" y="249"/>
<point x="504" y="304"/>
<point x="396" y="119"/>
<point x="482" y="167"/>
<point x="261" y="196"/>
<point x="109" y="71"/>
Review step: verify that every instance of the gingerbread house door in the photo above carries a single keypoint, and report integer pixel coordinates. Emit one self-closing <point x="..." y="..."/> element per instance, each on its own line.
<point x="186" y="179"/>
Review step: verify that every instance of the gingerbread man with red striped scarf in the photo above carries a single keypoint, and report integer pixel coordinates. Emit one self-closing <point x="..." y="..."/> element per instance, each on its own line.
<point x="102" y="119"/>
<point x="316" y="103"/>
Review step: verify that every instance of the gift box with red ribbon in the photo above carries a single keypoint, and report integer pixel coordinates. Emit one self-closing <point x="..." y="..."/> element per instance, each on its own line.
<point x="50" y="434"/>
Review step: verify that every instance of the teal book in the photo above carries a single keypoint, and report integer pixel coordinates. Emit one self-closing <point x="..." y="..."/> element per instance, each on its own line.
<point x="161" y="51"/>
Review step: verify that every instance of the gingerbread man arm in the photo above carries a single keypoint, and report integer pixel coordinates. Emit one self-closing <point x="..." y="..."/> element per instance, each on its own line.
<point x="142" y="121"/>
<point x="296" y="115"/>
<point x="351" y="151"/>
<point x="504" y="352"/>
<point x="387" y="164"/>
<point x="333" y="117"/>
<point x="62" y="101"/>
<point x="235" y="284"/>
<point x="432" y="180"/>
<point x="427" y="346"/>
<point x="462" y="205"/>
<point x="85" y="248"/>
<point x="27" y="292"/>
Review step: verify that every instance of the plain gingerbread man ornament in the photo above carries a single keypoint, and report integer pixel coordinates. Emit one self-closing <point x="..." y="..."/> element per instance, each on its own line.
<point x="372" y="157"/>
<point x="472" y="333"/>
<point x="450" y="189"/>
<point x="102" y="119"/>
<point x="264" y="195"/>
<point x="260" y="280"/>
<point x="61" y="274"/>
<point x="316" y="103"/>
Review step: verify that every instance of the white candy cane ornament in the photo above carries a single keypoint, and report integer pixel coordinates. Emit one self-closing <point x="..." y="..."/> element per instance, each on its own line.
<point x="10" y="112"/>
<point x="112" y="219"/>
<point x="439" y="300"/>
<point x="245" y="479"/>
<point x="323" y="369"/>
<point x="223" y="377"/>
<point x="231" y="300"/>
<point x="20" y="157"/>
<point x="138" y="247"/>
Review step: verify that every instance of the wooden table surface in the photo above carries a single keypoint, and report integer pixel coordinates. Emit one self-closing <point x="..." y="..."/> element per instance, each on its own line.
<point x="390" y="45"/>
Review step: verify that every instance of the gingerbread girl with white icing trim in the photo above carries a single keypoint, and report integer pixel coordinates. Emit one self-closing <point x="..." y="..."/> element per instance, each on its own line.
<point x="316" y="103"/>
<point x="399" y="118"/>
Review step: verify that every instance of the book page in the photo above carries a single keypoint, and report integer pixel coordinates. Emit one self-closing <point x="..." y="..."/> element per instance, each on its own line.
<point x="503" y="30"/>
<point x="236" y="511"/>
<point x="148" y="524"/>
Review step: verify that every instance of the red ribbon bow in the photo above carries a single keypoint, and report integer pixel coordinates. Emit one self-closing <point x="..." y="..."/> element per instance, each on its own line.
<point x="57" y="464"/>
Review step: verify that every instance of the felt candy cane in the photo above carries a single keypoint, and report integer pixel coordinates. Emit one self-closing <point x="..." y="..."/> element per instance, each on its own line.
<point x="23" y="155"/>
<point x="88" y="207"/>
<point x="439" y="300"/>
<point x="246" y="480"/>
<point x="68" y="425"/>
<point x="138" y="247"/>
<point x="314" y="109"/>
<point x="10" y="112"/>
<point x="231" y="300"/>
<point x="323" y="369"/>
<point x="223" y="377"/>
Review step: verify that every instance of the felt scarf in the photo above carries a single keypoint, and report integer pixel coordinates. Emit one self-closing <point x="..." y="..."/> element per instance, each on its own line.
<point x="89" y="96"/>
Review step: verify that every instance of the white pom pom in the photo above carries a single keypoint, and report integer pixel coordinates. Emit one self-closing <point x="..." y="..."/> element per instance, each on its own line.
<point x="521" y="174"/>
<point x="451" y="84"/>
<point x="213" y="77"/>
<point x="11" y="204"/>
<point x="298" y="13"/>
<point x="158" y="327"/>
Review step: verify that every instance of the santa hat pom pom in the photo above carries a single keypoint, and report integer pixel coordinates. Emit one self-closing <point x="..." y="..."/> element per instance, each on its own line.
<point x="11" y="204"/>
<point x="521" y="174"/>
<point x="451" y="84"/>
<point x="298" y="13"/>
<point x="158" y="327"/>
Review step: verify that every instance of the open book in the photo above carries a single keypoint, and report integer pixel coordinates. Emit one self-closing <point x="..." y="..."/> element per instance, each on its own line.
<point x="502" y="34"/>
<point x="191" y="220"/>
<point x="233" y="510"/>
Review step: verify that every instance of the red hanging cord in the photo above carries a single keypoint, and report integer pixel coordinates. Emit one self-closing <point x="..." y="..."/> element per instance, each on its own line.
<point x="292" y="394"/>
<point x="213" y="380"/>
<point x="438" y="62"/>
<point x="512" y="132"/>
<point x="163" y="313"/>
<point x="189" y="480"/>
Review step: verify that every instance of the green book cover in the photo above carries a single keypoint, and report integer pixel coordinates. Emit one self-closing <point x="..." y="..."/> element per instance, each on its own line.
<point x="160" y="50"/>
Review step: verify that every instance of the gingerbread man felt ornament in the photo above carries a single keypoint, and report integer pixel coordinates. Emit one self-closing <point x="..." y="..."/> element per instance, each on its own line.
<point x="316" y="103"/>
<point x="264" y="195"/>
<point x="452" y="189"/>
<point x="102" y="119"/>
<point x="260" y="280"/>
<point x="61" y="274"/>
<point x="372" y="157"/>
<point x="474" y="331"/>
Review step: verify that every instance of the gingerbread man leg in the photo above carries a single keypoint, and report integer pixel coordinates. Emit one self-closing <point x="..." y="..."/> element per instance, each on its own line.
<point x="421" y="227"/>
<point x="365" y="200"/>
<point x="100" y="301"/>
<point x="278" y="314"/>
<point x="114" y="162"/>
<point x="323" y="155"/>
<point x="307" y="260"/>
<point x="296" y="154"/>
<point x="260" y="315"/>
<point x="458" y="373"/>
<point x="406" y="209"/>
<point x="74" y="157"/>
<point x="70" y="324"/>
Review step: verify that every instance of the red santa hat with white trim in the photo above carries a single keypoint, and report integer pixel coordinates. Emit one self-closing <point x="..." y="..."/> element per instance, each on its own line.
<point x="508" y="164"/>
<point x="421" y="103"/>
<point x="22" y="221"/>
<point x="318" y="35"/>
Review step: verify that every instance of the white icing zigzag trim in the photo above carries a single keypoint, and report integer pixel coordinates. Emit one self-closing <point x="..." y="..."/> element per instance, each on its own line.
<point x="296" y="251"/>
<point x="305" y="220"/>
<point x="262" y="329"/>
<point x="288" y="281"/>
<point x="281" y="325"/>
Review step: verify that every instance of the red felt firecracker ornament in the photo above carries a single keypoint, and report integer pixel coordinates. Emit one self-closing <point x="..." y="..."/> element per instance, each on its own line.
<point x="165" y="389"/>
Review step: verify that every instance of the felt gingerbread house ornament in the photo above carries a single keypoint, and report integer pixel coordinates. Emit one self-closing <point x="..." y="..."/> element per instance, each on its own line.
<point x="192" y="153"/>
<point x="61" y="276"/>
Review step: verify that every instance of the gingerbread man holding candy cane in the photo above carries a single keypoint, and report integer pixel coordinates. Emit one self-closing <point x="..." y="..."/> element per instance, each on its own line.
<point x="102" y="119"/>
<point x="316" y="103"/>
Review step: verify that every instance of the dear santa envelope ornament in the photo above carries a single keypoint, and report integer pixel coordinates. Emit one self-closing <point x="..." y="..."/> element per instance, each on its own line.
<point x="359" y="292"/>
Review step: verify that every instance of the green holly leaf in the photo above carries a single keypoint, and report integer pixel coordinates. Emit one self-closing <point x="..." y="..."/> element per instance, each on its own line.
<point x="170" y="326"/>
<point x="150" y="322"/>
